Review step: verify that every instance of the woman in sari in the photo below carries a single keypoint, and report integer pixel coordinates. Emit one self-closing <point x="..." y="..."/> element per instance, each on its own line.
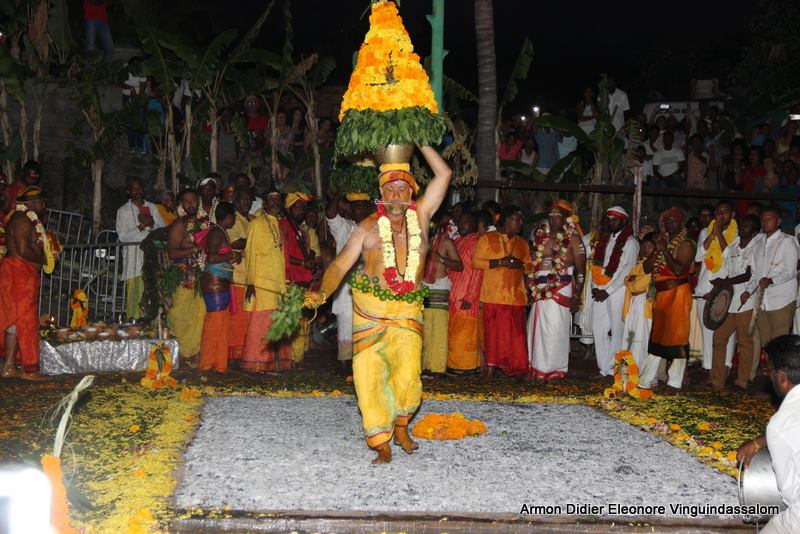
<point x="216" y="287"/>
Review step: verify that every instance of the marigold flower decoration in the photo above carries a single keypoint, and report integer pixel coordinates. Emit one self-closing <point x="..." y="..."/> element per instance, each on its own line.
<point x="626" y="378"/>
<point x="453" y="426"/>
<point x="388" y="74"/>
<point x="159" y="366"/>
<point x="389" y="98"/>
<point x="79" y="304"/>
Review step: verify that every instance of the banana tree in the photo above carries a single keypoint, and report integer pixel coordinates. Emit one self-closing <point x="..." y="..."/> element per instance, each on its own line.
<point x="39" y="39"/>
<point x="163" y="64"/>
<point x="304" y="90"/>
<point x="604" y="143"/>
<point x="106" y="127"/>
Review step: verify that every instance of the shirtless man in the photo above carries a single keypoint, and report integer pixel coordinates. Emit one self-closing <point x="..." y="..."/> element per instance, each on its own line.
<point x="187" y="313"/>
<point x="387" y="307"/>
<point x="443" y="256"/>
<point x="559" y="264"/>
<point x="19" y="287"/>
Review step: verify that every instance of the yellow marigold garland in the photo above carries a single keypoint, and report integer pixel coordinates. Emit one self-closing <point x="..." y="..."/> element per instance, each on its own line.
<point x="625" y="364"/>
<point x="388" y="74"/>
<point x="79" y="303"/>
<point x="452" y="426"/>
<point x="159" y="366"/>
<point x="713" y="258"/>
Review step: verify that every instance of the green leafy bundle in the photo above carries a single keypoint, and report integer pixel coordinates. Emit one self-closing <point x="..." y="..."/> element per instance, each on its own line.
<point x="367" y="130"/>
<point x="171" y="279"/>
<point x="355" y="179"/>
<point x="286" y="317"/>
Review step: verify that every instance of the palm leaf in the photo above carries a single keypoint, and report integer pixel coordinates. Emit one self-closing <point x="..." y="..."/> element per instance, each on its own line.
<point x="321" y="70"/>
<point x="160" y="63"/>
<point x="520" y="72"/>
<point x="564" y="165"/>
<point x="207" y="65"/>
<point x="563" y="125"/>
<point x="248" y="38"/>
<point x="59" y="30"/>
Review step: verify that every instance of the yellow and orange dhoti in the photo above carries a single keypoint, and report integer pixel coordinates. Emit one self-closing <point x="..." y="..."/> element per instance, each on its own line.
<point x="185" y="318"/>
<point x="239" y="323"/>
<point x="387" y="345"/>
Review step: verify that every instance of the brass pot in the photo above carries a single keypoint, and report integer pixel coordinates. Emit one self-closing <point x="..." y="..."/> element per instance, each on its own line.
<point x="394" y="154"/>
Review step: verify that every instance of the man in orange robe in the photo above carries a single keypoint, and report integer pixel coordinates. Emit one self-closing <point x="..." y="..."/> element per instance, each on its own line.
<point x="669" y="268"/>
<point x="463" y="343"/>
<point x="19" y="287"/>
<point x="504" y="257"/>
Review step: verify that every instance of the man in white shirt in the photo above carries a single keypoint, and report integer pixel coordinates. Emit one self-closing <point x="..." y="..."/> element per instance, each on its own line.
<point x="714" y="245"/>
<point x="739" y="268"/>
<point x="783" y="432"/>
<point x="776" y="277"/>
<point x="617" y="104"/>
<point x="613" y="257"/>
<point x="135" y="220"/>
<point x="341" y="228"/>
<point x="669" y="162"/>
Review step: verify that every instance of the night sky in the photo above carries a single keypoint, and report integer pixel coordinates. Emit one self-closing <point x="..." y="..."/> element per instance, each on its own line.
<point x="574" y="41"/>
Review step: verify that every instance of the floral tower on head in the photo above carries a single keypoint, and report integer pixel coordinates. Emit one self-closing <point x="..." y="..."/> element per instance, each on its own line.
<point x="389" y="99"/>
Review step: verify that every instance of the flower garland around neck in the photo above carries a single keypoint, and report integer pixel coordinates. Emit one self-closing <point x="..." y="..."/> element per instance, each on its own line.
<point x="407" y="283"/>
<point x="713" y="259"/>
<point x="602" y="276"/>
<point x="558" y="259"/>
<point x="42" y="237"/>
<point x="661" y="262"/>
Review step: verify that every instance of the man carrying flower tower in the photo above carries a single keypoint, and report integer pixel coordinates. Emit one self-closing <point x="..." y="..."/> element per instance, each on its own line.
<point x="29" y="249"/>
<point x="388" y="107"/>
<point x="558" y="254"/>
<point x="387" y="303"/>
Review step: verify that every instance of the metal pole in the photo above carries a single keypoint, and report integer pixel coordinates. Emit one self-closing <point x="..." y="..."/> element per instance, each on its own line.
<point x="437" y="51"/>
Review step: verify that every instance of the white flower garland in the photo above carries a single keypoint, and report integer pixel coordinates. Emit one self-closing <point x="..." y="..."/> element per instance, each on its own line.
<point x="43" y="238"/>
<point x="414" y="242"/>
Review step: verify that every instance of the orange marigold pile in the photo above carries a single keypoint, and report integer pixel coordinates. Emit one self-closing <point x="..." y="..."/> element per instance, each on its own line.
<point x="444" y="426"/>
<point x="388" y="74"/>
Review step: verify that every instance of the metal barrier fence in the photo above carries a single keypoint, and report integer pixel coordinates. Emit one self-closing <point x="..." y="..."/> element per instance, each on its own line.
<point x="69" y="227"/>
<point x="98" y="269"/>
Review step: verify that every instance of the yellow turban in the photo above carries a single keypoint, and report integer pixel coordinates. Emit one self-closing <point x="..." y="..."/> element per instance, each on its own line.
<point x="291" y="198"/>
<point x="563" y="205"/>
<point x="354" y="197"/>
<point x="397" y="174"/>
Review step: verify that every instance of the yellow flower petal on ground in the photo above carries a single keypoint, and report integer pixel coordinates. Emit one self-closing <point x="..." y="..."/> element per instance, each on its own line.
<point x="704" y="427"/>
<point x="674" y="427"/>
<point x="716" y="445"/>
<point x="134" y="428"/>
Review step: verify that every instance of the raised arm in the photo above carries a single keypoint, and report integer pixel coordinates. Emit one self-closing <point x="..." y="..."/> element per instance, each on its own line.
<point x="437" y="188"/>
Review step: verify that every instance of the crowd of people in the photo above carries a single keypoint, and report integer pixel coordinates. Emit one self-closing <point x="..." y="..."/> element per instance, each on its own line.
<point x="499" y="298"/>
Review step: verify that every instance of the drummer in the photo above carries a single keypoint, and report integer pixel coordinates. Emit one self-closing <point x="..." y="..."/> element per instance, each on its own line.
<point x="783" y="432"/>
<point x="736" y="273"/>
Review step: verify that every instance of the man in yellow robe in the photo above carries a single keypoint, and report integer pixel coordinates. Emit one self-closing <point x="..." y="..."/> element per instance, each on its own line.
<point x="266" y="280"/>
<point x="387" y="325"/>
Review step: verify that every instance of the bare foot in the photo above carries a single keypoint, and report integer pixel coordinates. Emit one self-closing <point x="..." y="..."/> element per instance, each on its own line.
<point x="402" y="438"/>
<point x="32" y="377"/>
<point x="11" y="373"/>
<point x="384" y="454"/>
